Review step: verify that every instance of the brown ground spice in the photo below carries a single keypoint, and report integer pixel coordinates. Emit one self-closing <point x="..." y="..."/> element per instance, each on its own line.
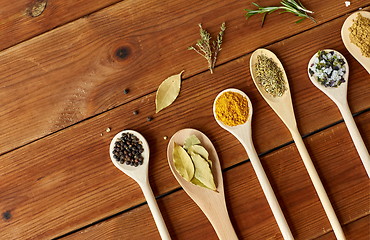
<point x="360" y="34"/>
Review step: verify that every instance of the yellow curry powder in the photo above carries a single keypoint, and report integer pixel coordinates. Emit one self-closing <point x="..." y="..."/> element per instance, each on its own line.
<point x="360" y="34"/>
<point x="232" y="109"/>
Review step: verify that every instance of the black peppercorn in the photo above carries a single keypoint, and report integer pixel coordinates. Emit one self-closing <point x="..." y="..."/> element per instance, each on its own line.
<point x="125" y="91"/>
<point x="136" y="112"/>
<point x="149" y="119"/>
<point x="128" y="150"/>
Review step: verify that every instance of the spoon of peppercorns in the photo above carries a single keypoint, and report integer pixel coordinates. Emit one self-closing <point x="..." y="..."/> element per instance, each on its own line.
<point x="129" y="152"/>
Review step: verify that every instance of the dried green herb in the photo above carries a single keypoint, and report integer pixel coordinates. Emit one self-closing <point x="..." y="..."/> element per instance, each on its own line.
<point x="270" y="76"/>
<point x="167" y="92"/>
<point x="199" y="171"/>
<point x="205" y="48"/>
<point x="190" y="141"/>
<point x="203" y="172"/>
<point x="183" y="163"/>
<point x="288" y="6"/>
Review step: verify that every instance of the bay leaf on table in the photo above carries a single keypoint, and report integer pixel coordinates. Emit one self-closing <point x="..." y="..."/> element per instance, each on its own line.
<point x="183" y="163"/>
<point x="167" y="92"/>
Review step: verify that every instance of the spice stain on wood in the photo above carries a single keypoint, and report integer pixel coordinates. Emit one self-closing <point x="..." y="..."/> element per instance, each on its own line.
<point x="7" y="215"/>
<point x="37" y="8"/>
<point x="73" y="109"/>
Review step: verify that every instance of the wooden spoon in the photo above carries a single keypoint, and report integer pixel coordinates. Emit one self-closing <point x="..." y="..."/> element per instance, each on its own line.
<point x="351" y="47"/>
<point x="212" y="203"/>
<point x="339" y="97"/>
<point x="283" y="107"/>
<point x="140" y="175"/>
<point x="244" y="134"/>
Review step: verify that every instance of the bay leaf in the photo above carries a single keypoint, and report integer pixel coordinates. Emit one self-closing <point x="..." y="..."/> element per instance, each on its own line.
<point x="198" y="149"/>
<point x="203" y="172"/>
<point x="167" y="92"/>
<point x="191" y="140"/>
<point x="196" y="181"/>
<point x="183" y="163"/>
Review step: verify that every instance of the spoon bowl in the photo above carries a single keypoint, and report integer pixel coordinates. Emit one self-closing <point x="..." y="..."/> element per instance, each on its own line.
<point x="212" y="203"/>
<point x="285" y="110"/>
<point x="283" y="107"/>
<point x="140" y="175"/>
<point x="351" y="47"/>
<point x="339" y="96"/>
<point x="243" y="133"/>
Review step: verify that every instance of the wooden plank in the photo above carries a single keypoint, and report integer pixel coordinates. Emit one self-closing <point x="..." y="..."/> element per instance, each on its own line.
<point x="19" y="20"/>
<point x="356" y="230"/>
<point x="73" y="72"/>
<point x="346" y="184"/>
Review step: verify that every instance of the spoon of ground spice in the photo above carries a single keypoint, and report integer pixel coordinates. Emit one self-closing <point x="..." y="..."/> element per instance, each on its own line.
<point x="233" y="111"/>
<point x="272" y="71"/>
<point x="127" y="148"/>
<point x="332" y="66"/>
<point x="355" y="36"/>
<point x="212" y="203"/>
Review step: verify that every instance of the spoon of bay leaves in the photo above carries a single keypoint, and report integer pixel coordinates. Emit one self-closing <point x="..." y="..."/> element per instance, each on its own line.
<point x="351" y="47"/>
<point x="140" y="175"/>
<point x="283" y="107"/>
<point x="243" y="133"/>
<point x="212" y="203"/>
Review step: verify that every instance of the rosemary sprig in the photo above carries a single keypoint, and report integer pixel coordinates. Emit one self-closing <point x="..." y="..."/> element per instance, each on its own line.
<point x="205" y="49"/>
<point x="288" y="6"/>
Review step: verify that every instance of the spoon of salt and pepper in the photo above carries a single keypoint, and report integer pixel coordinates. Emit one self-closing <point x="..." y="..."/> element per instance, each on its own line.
<point x="140" y="175"/>
<point x="338" y="94"/>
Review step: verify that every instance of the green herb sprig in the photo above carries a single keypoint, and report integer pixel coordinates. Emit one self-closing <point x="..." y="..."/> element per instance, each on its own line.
<point x="205" y="49"/>
<point x="288" y="6"/>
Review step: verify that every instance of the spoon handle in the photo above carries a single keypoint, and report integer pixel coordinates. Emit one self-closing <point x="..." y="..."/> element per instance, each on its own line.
<point x="267" y="189"/>
<point x="216" y="212"/>
<point x="149" y="196"/>
<point x="318" y="185"/>
<point x="355" y="135"/>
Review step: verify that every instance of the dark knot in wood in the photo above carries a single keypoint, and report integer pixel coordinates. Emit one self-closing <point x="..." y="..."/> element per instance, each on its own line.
<point x="37" y="8"/>
<point x="122" y="53"/>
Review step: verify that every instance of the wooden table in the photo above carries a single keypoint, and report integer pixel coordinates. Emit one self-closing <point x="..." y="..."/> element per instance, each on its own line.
<point x="63" y="75"/>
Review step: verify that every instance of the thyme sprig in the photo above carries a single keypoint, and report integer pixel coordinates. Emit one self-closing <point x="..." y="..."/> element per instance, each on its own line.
<point x="288" y="6"/>
<point x="205" y="49"/>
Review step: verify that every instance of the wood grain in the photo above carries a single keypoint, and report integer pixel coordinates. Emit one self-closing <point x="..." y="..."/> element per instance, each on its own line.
<point x="248" y="207"/>
<point x="69" y="180"/>
<point x="82" y="68"/>
<point x="61" y="90"/>
<point x="18" y="23"/>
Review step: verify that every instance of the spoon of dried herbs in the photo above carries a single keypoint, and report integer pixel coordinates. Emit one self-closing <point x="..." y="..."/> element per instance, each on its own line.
<point x="210" y="201"/>
<point x="357" y="28"/>
<point x="271" y="71"/>
<point x="127" y="140"/>
<point x="233" y="111"/>
<point x="328" y="70"/>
